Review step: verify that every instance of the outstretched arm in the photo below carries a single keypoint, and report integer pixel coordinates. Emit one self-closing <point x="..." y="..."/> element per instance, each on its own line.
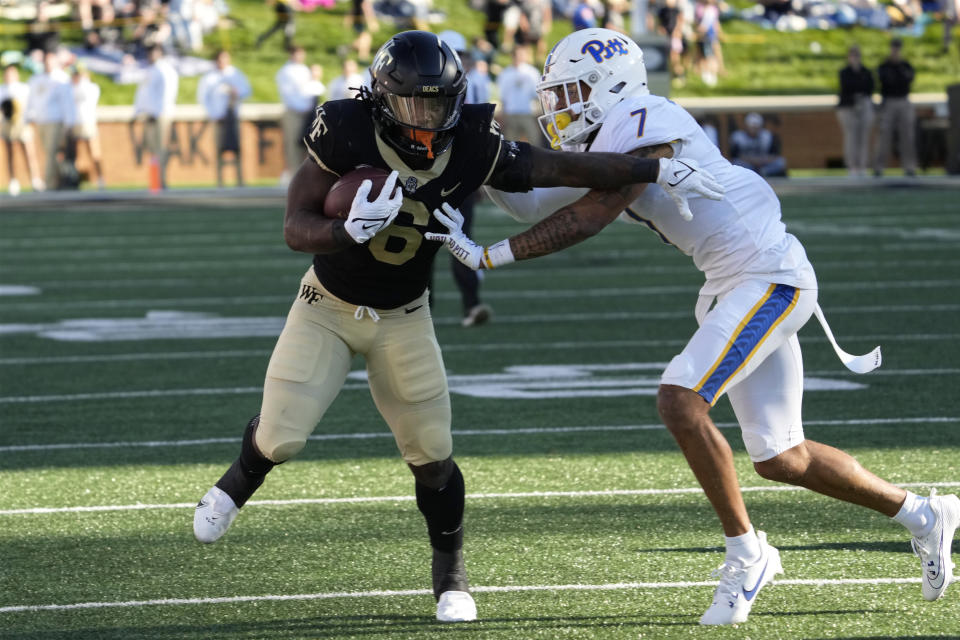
<point x="571" y="224"/>
<point x="592" y="170"/>
<point x="567" y="226"/>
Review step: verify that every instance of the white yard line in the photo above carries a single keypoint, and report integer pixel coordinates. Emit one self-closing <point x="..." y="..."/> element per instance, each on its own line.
<point x="521" y="294"/>
<point x="500" y="346"/>
<point x="458" y="433"/>
<point x="409" y="498"/>
<point x="607" y="254"/>
<point x="529" y="270"/>
<point x="618" y="586"/>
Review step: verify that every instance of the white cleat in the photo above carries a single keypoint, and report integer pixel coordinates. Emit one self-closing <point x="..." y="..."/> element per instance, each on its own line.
<point x="456" y="606"/>
<point x="739" y="586"/>
<point x="933" y="549"/>
<point x="214" y="513"/>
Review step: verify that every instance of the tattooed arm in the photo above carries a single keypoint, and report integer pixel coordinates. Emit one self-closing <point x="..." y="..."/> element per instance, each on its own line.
<point x="567" y="226"/>
<point x="304" y="226"/>
<point x="582" y="219"/>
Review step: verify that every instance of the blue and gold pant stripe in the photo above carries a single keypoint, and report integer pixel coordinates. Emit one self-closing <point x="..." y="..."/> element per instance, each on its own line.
<point x="775" y="305"/>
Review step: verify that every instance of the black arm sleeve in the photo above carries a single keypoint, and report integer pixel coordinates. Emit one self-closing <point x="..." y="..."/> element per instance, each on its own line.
<point x="514" y="165"/>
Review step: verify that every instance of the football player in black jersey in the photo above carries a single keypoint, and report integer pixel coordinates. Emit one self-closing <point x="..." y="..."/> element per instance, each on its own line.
<point x="366" y="289"/>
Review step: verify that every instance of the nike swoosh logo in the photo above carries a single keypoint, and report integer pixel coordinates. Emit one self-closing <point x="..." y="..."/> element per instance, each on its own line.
<point x="413" y="309"/>
<point x="445" y="192"/>
<point x="933" y="579"/>
<point x="450" y="533"/>
<point x="373" y="225"/>
<point x="680" y="176"/>
<point x="749" y="593"/>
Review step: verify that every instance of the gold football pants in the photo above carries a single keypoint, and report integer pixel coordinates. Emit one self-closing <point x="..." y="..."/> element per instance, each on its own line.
<point x="312" y="358"/>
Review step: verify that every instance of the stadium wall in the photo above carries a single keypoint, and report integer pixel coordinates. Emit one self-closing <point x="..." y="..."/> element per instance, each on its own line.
<point x="807" y="126"/>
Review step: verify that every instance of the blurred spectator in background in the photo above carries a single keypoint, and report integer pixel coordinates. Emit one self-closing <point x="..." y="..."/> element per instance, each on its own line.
<point x="93" y="15"/>
<point x="14" y="129"/>
<point x="299" y="89"/>
<point x="951" y="11"/>
<point x="347" y="84"/>
<point x="517" y="85"/>
<point x="50" y="108"/>
<point x="220" y="92"/>
<point x="41" y="35"/>
<point x="536" y="21"/>
<point x="151" y="26"/>
<point x="709" y="62"/>
<point x="511" y="24"/>
<point x="185" y="25"/>
<point x="482" y="49"/>
<point x="855" y="112"/>
<point x="613" y="14"/>
<point x="672" y="22"/>
<point x="586" y="14"/>
<point x="363" y="20"/>
<point x="493" y="11"/>
<point x="896" y="116"/>
<point x="757" y="148"/>
<point x="283" y="20"/>
<point x="525" y="22"/>
<point x="86" y="95"/>
<point x="154" y="104"/>
<point x="479" y="83"/>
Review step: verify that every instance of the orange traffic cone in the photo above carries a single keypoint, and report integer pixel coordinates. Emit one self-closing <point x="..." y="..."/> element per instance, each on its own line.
<point x="154" y="175"/>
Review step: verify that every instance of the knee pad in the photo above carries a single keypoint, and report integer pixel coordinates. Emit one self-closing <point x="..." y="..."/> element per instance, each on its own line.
<point x="278" y="444"/>
<point x="433" y="475"/>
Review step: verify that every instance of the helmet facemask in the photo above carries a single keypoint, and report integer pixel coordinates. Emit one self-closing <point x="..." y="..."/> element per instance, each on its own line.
<point x="417" y="91"/>
<point x="584" y="76"/>
<point x="569" y="115"/>
<point x="423" y="125"/>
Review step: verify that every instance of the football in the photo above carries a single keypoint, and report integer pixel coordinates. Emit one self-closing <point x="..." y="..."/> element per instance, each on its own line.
<point x="340" y="197"/>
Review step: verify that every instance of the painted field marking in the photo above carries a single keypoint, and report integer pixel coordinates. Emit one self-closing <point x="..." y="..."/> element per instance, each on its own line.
<point x="618" y="586"/>
<point x="186" y="325"/>
<point x="520" y="495"/>
<point x="457" y="433"/>
<point x="521" y="294"/>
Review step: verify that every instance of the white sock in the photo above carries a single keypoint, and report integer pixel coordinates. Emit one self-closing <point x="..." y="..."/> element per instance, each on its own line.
<point x="916" y="515"/>
<point x="743" y="550"/>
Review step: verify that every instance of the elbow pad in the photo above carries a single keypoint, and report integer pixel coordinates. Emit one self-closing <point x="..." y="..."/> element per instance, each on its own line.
<point x="514" y="167"/>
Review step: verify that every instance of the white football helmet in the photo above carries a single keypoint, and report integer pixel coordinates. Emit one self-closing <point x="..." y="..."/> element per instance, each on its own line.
<point x="585" y="74"/>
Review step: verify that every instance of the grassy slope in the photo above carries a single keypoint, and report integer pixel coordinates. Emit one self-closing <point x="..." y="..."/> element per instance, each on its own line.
<point x="760" y="62"/>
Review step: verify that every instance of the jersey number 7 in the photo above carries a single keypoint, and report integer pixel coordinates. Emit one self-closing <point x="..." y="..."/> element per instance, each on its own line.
<point x="643" y="119"/>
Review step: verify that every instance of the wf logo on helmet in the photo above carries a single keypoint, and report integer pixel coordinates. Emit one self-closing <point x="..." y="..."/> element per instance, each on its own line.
<point x="601" y="51"/>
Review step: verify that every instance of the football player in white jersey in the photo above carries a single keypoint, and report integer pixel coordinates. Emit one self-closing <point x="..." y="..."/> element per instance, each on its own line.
<point x="760" y="290"/>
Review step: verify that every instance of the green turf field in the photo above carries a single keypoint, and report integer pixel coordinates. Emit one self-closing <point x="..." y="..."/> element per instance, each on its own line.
<point x="135" y="357"/>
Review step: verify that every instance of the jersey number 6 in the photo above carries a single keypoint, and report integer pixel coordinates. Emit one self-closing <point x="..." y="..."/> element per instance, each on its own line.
<point x="410" y="237"/>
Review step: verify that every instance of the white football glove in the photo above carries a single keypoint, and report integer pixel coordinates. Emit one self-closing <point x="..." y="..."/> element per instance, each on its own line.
<point x="682" y="177"/>
<point x="367" y="218"/>
<point x="463" y="248"/>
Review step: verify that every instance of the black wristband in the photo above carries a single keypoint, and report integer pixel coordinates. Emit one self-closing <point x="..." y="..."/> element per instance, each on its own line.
<point x="646" y="169"/>
<point x="340" y="235"/>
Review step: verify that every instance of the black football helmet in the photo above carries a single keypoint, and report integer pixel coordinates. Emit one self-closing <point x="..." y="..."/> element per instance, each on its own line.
<point x="417" y="86"/>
